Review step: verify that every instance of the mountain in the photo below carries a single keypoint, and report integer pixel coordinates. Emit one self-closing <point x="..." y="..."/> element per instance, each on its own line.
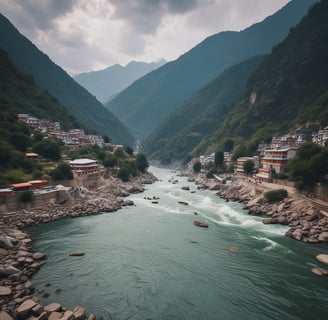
<point x="288" y="91"/>
<point x="49" y="76"/>
<point x="19" y="94"/>
<point x="185" y="128"/>
<point x="145" y="103"/>
<point x="106" y="84"/>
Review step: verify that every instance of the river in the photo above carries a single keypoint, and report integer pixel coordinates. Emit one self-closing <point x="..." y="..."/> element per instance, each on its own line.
<point x="149" y="261"/>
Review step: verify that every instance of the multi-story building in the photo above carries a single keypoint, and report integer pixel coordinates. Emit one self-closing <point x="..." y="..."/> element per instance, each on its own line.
<point x="239" y="165"/>
<point x="275" y="161"/>
<point x="86" y="172"/>
<point x="206" y="159"/>
<point x="85" y="168"/>
<point x="321" y="137"/>
<point x="287" y="141"/>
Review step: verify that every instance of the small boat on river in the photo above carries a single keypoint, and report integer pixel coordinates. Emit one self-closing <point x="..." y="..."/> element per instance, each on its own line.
<point x="200" y="224"/>
<point x="183" y="202"/>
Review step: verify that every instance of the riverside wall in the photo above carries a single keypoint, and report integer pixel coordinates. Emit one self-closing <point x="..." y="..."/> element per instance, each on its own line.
<point x="12" y="203"/>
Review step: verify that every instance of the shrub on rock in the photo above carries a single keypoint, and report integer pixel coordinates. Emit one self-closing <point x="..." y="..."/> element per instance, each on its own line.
<point x="276" y="195"/>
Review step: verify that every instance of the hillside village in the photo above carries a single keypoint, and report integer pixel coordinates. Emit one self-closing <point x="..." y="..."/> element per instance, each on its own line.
<point x="73" y="137"/>
<point x="272" y="158"/>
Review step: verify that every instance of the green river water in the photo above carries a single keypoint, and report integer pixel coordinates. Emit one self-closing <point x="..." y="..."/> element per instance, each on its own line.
<point x="149" y="261"/>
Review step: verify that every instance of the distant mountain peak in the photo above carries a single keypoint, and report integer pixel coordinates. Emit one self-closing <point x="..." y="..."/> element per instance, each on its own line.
<point x="152" y="98"/>
<point x="106" y="83"/>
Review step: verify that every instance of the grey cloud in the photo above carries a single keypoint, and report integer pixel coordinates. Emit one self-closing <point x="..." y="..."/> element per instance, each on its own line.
<point x="180" y="6"/>
<point x="146" y="15"/>
<point x="41" y="13"/>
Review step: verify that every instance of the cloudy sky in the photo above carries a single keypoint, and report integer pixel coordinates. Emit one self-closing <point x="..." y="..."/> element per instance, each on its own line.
<point x="84" y="35"/>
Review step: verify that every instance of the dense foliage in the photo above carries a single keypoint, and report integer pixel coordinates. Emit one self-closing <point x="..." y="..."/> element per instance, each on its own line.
<point x="20" y="94"/>
<point x="119" y="162"/>
<point x="309" y="166"/>
<point x="47" y="149"/>
<point x="141" y="162"/>
<point x="197" y="167"/>
<point x="276" y="195"/>
<point x="62" y="172"/>
<point x="248" y="167"/>
<point x="14" y="165"/>
<point x="26" y="196"/>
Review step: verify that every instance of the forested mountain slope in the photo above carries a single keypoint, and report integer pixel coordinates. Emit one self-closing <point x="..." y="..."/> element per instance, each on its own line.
<point x="149" y="100"/>
<point x="19" y="94"/>
<point x="49" y="76"/>
<point x="288" y="90"/>
<point x="185" y="128"/>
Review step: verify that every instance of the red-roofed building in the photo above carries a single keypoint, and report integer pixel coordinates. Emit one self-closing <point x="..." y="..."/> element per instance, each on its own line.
<point x="32" y="155"/>
<point x="21" y="186"/>
<point x="38" y="184"/>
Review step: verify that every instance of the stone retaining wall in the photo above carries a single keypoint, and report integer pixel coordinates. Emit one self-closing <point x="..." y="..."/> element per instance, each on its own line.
<point x="12" y="203"/>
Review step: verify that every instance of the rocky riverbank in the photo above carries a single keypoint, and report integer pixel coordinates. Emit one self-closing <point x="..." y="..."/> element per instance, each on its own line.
<point x="307" y="222"/>
<point x="18" y="262"/>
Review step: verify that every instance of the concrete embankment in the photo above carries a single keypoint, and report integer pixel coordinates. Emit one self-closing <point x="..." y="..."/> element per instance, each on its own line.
<point x="18" y="261"/>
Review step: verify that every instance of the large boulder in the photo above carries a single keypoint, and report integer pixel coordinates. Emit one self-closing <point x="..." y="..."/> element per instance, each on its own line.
<point x="25" y="308"/>
<point x="79" y="313"/>
<point x="55" y="316"/>
<point x="68" y="315"/>
<point x="5" y="316"/>
<point x="38" y="255"/>
<point x="323" y="258"/>
<point x="8" y="270"/>
<point x="323" y="236"/>
<point x="53" y="307"/>
<point x="297" y="234"/>
<point x="6" y="243"/>
<point x="320" y="271"/>
<point x="4" y="291"/>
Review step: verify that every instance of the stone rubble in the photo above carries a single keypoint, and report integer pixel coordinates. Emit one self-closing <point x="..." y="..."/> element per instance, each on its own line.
<point x="18" y="262"/>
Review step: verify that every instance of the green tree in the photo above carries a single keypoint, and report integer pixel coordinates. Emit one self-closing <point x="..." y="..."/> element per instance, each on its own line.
<point x="6" y="152"/>
<point x="241" y="151"/>
<point x="141" y="162"/>
<point x="308" y="166"/>
<point x="47" y="149"/>
<point x="276" y="195"/>
<point x="62" y="172"/>
<point x="248" y="167"/>
<point x="219" y="158"/>
<point x="228" y="145"/>
<point x="119" y="153"/>
<point x="197" y="167"/>
<point x="26" y="196"/>
<point x="20" y="141"/>
<point x="129" y="150"/>
<point x="37" y="136"/>
<point x="110" y="161"/>
<point x="106" y="139"/>
<point x="123" y="174"/>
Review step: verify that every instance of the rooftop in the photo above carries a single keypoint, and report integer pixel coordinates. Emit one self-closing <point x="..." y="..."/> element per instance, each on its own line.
<point x="82" y="161"/>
